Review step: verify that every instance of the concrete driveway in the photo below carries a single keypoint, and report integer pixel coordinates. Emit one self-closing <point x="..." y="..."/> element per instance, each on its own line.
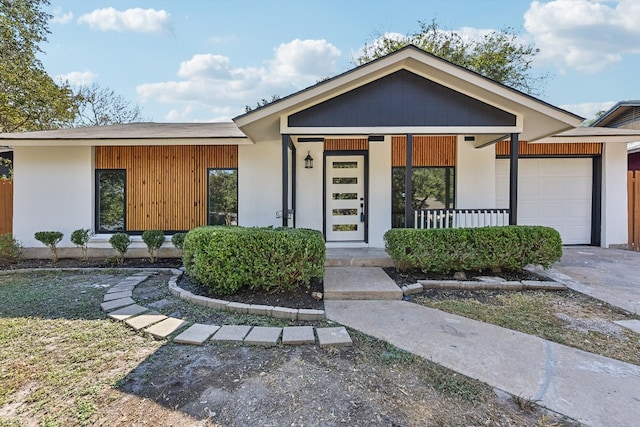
<point x="610" y="275"/>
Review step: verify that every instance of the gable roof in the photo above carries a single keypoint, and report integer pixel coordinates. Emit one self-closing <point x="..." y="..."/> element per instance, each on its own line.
<point x="621" y="113"/>
<point x="542" y="119"/>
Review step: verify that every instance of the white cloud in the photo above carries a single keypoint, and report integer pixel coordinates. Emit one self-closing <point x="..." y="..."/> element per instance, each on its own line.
<point x="210" y="85"/>
<point x="59" y="17"/>
<point x="137" y="20"/>
<point x="588" y="110"/>
<point x="587" y="35"/>
<point x="78" y="78"/>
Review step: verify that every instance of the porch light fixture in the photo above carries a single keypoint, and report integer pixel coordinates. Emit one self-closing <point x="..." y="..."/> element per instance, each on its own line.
<point x="308" y="161"/>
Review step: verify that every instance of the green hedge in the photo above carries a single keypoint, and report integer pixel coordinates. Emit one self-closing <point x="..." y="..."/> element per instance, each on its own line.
<point x="446" y="250"/>
<point x="228" y="259"/>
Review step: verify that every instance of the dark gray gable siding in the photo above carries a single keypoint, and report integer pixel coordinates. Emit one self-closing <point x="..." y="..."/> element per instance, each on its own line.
<point x="401" y="99"/>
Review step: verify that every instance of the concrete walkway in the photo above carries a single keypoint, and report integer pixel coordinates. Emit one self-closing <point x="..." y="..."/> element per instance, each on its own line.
<point x="592" y="389"/>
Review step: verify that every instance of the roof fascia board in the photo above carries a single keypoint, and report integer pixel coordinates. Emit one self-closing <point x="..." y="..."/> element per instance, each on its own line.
<point x="587" y="139"/>
<point x="397" y="130"/>
<point x="125" y="142"/>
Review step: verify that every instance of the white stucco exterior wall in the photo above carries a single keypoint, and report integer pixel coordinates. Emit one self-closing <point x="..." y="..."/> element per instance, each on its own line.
<point x="475" y="176"/>
<point x="379" y="191"/>
<point x="309" y="187"/>
<point x="614" y="195"/>
<point x="53" y="191"/>
<point x="259" y="184"/>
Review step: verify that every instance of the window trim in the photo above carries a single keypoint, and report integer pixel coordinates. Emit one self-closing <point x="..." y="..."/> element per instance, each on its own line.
<point x="97" y="222"/>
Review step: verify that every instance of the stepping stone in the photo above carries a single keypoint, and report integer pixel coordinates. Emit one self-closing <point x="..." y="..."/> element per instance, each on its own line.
<point x="117" y="295"/>
<point x="334" y="337"/>
<point x="196" y="334"/>
<point x="144" y="320"/>
<point x="166" y="327"/>
<point x="121" y="288"/>
<point x="127" y="312"/>
<point x="296" y="335"/>
<point x="231" y="333"/>
<point x="263" y="335"/>
<point x="116" y="303"/>
<point x="160" y="304"/>
<point x="633" y="324"/>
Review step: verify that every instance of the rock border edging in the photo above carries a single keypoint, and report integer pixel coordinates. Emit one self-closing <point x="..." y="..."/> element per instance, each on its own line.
<point x="238" y="307"/>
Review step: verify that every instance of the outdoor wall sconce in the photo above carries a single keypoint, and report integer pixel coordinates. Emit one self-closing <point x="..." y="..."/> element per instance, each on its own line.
<point x="308" y="161"/>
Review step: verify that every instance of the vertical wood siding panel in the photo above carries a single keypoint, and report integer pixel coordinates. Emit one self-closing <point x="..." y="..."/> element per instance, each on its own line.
<point x="166" y="185"/>
<point x="428" y="150"/>
<point x="6" y="206"/>
<point x="345" y="144"/>
<point x="559" y="149"/>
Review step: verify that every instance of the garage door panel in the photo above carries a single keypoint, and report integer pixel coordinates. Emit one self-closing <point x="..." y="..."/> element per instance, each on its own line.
<point x="555" y="193"/>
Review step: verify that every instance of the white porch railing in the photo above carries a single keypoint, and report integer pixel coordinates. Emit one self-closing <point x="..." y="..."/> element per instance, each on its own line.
<point x="459" y="218"/>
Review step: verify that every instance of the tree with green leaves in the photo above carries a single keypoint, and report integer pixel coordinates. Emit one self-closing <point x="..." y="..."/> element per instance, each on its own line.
<point x="498" y="55"/>
<point x="29" y="98"/>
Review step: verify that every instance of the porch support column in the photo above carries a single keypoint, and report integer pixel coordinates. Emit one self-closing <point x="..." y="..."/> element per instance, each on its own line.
<point x="513" y="180"/>
<point x="285" y="180"/>
<point x="408" y="189"/>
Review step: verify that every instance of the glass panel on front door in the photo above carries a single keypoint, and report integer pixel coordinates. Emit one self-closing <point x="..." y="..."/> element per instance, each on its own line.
<point x="345" y="216"/>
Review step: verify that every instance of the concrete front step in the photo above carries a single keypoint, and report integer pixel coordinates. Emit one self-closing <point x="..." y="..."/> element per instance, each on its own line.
<point x="357" y="257"/>
<point x="359" y="283"/>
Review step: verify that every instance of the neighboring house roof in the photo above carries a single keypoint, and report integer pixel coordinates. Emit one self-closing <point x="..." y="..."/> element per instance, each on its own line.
<point x="633" y="147"/>
<point x="621" y="113"/>
<point x="543" y="119"/>
<point x="132" y="134"/>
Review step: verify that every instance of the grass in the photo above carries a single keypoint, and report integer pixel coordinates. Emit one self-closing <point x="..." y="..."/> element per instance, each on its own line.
<point x="57" y="351"/>
<point x="536" y="313"/>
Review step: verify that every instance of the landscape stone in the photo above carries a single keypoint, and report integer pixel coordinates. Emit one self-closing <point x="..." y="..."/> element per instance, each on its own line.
<point x="490" y="279"/>
<point x="263" y="335"/>
<point x="231" y="333"/>
<point x="261" y="310"/>
<point x="412" y="289"/>
<point x="117" y="295"/>
<point x="310" y="314"/>
<point x="238" y="307"/>
<point x="116" y="303"/>
<point x="127" y="312"/>
<point x="157" y="305"/>
<point x="334" y="337"/>
<point x="296" y="335"/>
<point x="218" y="304"/>
<point x="144" y="320"/>
<point x="196" y="334"/>
<point x="166" y="327"/>
<point x="459" y="275"/>
<point x="632" y="324"/>
<point x="285" y="313"/>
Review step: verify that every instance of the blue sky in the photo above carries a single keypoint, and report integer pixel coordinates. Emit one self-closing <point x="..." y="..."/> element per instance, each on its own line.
<point x="204" y="60"/>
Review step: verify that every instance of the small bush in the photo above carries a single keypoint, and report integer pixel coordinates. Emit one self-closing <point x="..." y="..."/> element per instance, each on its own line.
<point x="120" y="242"/>
<point x="80" y="238"/>
<point x="445" y="250"/>
<point x="10" y="248"/>
<point x="178" y="240"/>
<point x="154" y="240"/>
<point x="228" y="259"/>
<point x="51" y="240"/>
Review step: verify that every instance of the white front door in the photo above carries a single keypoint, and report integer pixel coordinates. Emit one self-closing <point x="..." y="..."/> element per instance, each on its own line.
<point x="345" y="214"/>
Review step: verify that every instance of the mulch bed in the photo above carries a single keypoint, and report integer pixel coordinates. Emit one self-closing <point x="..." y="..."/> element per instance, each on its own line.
<point x="410" y="277"/>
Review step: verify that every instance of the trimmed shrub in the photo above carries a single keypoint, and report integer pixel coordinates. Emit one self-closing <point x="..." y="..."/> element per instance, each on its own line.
<point x="10" y="248"/>
<point x="446" y="250"/>
<point x="228" y="259"/>
<point x="51" y="240"/>
<point x="178" y="240"/>
<point x="120" y="242"/>
<point x="154" y="240"/>
<point x="80" y="238"/>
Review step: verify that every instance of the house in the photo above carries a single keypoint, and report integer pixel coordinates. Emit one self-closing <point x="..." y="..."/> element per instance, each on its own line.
<point x="341" y="157"/>
<point x="624" y="115"/>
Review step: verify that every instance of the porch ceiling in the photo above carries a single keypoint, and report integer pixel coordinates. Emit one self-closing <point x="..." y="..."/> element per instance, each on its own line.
<point x="535" y="119"/>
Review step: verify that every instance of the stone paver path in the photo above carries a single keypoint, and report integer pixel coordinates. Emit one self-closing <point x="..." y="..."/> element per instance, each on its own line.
<point x="119" y="305"/>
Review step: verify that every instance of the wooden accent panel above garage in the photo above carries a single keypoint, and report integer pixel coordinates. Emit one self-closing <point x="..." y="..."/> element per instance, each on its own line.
<point x="545" y="149"/>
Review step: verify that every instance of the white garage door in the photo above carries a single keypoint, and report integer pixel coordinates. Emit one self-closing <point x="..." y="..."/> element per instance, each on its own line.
<point x="551" y="192"/>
